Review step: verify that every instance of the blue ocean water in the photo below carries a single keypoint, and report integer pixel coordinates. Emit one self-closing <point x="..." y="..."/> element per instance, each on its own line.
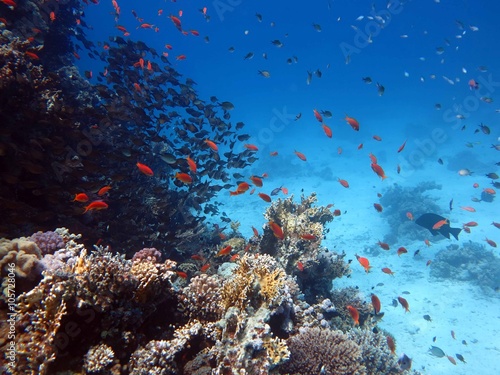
<point x="424" y="54"/>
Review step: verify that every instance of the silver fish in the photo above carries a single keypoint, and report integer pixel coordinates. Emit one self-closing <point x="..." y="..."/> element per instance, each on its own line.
<point x="436" y="352"/>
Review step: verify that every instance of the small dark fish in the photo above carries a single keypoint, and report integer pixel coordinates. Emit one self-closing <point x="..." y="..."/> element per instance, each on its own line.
<point x="416" y="252"/>
<point x="259" y="17"/>
<point x="318" y="73"/>
<point x="404" y="362"/>
<point x="440" y="161"/>
<point x="380" y="89"/>
<point x="493" y="176"/>
<point x="367" y="80"/>
<point x="428" y="318"/>
<point x="276" y="191"/>
<point x="317" y="27"/>
<point x="405" y="292"/>
<point x="434" y="339"/>
<point x="394" y="302"/>
<point x="436" y="352"/>
<point x="485" y="129"/>
<point x="451" y="204"/>
<point x="277" y="43"/>
<point x="298" y="116"/>
<point x="380" y="284"/>
<point x="248" y="56"/>
<point x="464" y="342"/>
<point x="460" y="357"/>
<point x="437" y="106"/>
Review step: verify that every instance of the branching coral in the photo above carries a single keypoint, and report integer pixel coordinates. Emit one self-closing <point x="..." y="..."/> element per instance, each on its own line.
<point x="201" y="299"/>
<point x="98" y="358"/>
<point x="316" y="351"/>
<point x="375" y="353"/>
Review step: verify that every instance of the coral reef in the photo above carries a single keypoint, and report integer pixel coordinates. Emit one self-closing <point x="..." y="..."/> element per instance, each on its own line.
<point x="469" y="262"/>
<point x="303" y="228"/>
<point x="398" y="201"/>
<point x="147" y="254"/>
<point x="376" y="356"/>
<point x="201" y="299"/>
<point x="316" y="351"/>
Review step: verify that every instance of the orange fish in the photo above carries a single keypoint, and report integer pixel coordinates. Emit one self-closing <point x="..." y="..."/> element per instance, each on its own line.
<point x="145" y="26"/>
<point x="377" y="138"/>
<point x="31" y="55"/>
<point x="317" y="115"/>
<point x="388" y="271"/>
<point x="378" y="207"/>
<point x="242" y="187"/>
<point x="277" y="231"/>
<point x="451" y="359"/>
<point x="191" y="164"/>
<point x="234" y="257"/>
<point x="81" y="197"/>
<point x="373" y="158"/>
<point x="103" y="190"/>
<point x="475" y="185"/>
<point x="274" y="153"/>
<point x="428" y="263"/>
<point x="10" y="3"/>
<point x="205" y="267"/>
<point x="466" y="229"/>
<point x="300" y="266"/>
<point x="252" y="191"/>
<point x="471" y="224"/>
<point x="354" y="314"/>
<point x="376" y="304"/>
<point x="468" y="208"/>
<point x="211" y="144"/>
<point x="336" y="212"/>
<point x="52" y="16"/>
<point x="181" y="274"/>
<point x="489" y="191"/>
<point x="137" y="87"/>
<point x="149" y="66"/>
<point x="402" y="250"/>
<point x="196" y="257"/>
<point x="265" y="197"/>
<point x="145" y="169"/>
<point x="383" y="245"/>
<point x="224" y="251"/>
<point x="251" y="147"/>
<point x="255" y="232"/>
<point x="365" y="263"/>
<point x="391" y="344"/>
<point x="194" y="32"/>
<point x="409" y="215"/>
<point x="402" y="146"/>
<point x="284" y="190"/>
<point x="404" y="303"/>
<point x="344" y="183"/>
<point x="183" y="177"/>
<point x="257" y="181"/>
<point x="473" y="85"/>
<point x="353" y="122"/>
<point x="95" y="206"/>
<point x="360" y="146"/>
<point x="180" y="57"/>
<point x="300" y="155"/>
<point x="426" y="241"/>
<point x="440" y="223"/>
<point x="453" y="334"/>
<point x="308" y="236"/>
<point x="379" y="171"/>
<point x="327" y="131"/>
<point x="491" y="242"/>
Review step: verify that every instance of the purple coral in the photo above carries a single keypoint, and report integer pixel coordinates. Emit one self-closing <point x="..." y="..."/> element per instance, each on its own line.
<point x="48" y="242"/>
<point x="147" y="254"/>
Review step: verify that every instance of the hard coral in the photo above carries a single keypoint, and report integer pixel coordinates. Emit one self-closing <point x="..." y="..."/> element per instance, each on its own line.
<point x="98" y="358"/>
<point x="150" y="254"/>
<point x="316" y="351"/>
<point x="201" y="298"/>
<point x="48" y="242"/>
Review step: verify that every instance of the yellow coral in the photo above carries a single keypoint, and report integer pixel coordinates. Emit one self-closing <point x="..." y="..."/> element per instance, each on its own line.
<point x="277" y="350"/>
<point x="270" y="283"/>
